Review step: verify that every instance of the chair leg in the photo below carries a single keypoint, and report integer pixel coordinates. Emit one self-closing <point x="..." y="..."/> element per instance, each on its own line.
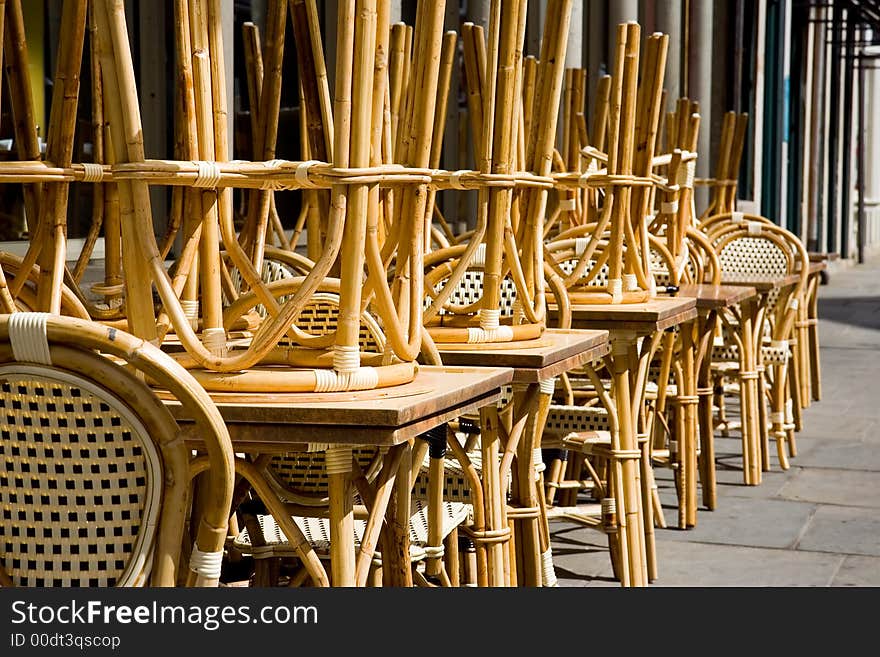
<point x="451" y="558"/>
<point x="646" y="480"/>
<point x="796" y="374"/>
<point x="763" y="425"/>
<point x="777" y="414"/>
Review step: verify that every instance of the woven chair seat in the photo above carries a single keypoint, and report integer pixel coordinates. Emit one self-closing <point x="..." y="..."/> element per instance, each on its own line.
<point x="456" y="485"/>
<point x="771" y="355"/>
<point x="317" y="533"/>
<point x="80" y="474"/>
<point x="564" y="419"/>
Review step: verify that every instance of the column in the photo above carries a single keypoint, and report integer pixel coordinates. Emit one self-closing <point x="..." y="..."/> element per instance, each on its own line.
<point x="700" y="87"/>
<point x="667" y="19"/>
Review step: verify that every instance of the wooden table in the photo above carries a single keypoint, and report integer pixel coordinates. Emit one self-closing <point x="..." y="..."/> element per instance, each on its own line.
<point x="535" y="368"/>
<point x="273" y="424"/>
<point x="739" y="302"/>
<point x="764" y="284"/>
<point x="628" y="363"/>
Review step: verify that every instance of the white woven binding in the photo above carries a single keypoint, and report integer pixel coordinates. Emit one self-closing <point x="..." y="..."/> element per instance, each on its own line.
<point x="480" y="256"/>
<point x="191" y="311"/>
<point x="206" y="564"/>
<point x="434" y="551"/>
<point x="547" y="571"/>
<point x="27" y="333"/>
<point x="364" y="378"/>
<point x="455" y="179"/>
<point x="609" y="506"/>
<point x="615" y="289"/>
<point x="489" y="319"/>
<point x="682" y="258"/>
<point x="580" y="245"/>
<point x="92" y="172"/>
<point x="779" y="344"/>
<point x="777" y="418"/>
<point x="568" y="205"/>
<point x="690" y="171"/>
<point x="338" y="459"/>
<point x="346" y="358"/>
<point x="214" y="340"/>
<point x="793" y="303"/>
<point x="669" y="208"/>
<point x="479" y="336"/>
<point x="755" y="228"/>
<point x="736" y="217"/>
<point x="547" y="386"/>
<point x="302" y="174"/>
<point x="538" y="461"/>
<point x="209" y="174"/>
<point x="630" y="282"/>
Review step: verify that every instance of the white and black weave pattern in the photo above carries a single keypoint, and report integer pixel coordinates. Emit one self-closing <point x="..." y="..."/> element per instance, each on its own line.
<point x="79" y="482"/>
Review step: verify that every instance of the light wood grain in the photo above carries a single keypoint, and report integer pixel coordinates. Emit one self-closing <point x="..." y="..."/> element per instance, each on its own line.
<point x="716" y="296"/>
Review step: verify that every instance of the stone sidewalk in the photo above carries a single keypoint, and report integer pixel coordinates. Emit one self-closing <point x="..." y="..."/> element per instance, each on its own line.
<point x="818" y="524"/>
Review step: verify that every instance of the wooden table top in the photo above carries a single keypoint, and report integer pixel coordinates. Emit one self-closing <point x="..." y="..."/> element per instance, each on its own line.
<point x="555" y="352"/>
<point x="711" y="297"/>
<point x="817" y="265"/>
<point x="816" y="256"/>
<point x="384" y="416"/>
<point x="761" y="282"/>
<point x="644" y="318"/>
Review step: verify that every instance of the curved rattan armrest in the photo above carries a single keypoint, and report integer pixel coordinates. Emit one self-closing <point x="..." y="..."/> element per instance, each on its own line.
<point x="95" y="351"/>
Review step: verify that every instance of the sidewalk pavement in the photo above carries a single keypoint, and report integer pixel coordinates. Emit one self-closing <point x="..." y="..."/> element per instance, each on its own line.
<point x="818" y="524"/>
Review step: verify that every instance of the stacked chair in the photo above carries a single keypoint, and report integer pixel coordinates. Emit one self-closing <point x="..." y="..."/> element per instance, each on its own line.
<point x="102" y="485"/>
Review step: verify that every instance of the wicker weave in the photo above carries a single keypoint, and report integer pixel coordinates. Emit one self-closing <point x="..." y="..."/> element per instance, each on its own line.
<point x="317" y="532"/>
<point x="79" y="483"/>
<point x="92" y="480"/>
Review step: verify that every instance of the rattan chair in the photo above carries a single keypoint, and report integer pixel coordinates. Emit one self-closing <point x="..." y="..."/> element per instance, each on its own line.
<point x="748" y="246"/>
<point x="301" y="478"/>
<point x="94" y="478"/>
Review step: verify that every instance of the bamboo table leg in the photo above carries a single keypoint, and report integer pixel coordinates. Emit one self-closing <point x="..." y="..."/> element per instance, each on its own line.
<point x="623" y="353"/>
<point x="535" y="565"/>
<point x="493" y="495"/>
<point x="751" y="393"/>
<point x="396" y="557"/>
<point x="688" y="448"/>
<point x="704" y="410"/>
<point x="525" y="496"/>
<point x="341" y="493"/>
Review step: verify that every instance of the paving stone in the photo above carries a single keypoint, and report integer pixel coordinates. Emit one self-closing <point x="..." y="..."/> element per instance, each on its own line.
<point x="834" y="486"/>
<point x="845" y="530"/>
<point x="580" y="556"/>
<point x="838" y="454"/>
<point x="702" y="564"/>
<point x="754" y="522"/>
<point x="858" y="571"/>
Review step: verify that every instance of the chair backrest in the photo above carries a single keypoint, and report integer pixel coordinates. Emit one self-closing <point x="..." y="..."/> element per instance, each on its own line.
<point x="301" y="477"/>
<point x="469" y="289"/>
<point x="761" y="247"/>
<point x="93" y="473"/>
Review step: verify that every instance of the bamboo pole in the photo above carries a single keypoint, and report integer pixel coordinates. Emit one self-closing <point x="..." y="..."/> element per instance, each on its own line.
<point x="253" y="233"/>
<point x="316" y="96"/>
<point x="59" y="149"/>
<point x="119" y="82"/>
<point x="16" y="64"/>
